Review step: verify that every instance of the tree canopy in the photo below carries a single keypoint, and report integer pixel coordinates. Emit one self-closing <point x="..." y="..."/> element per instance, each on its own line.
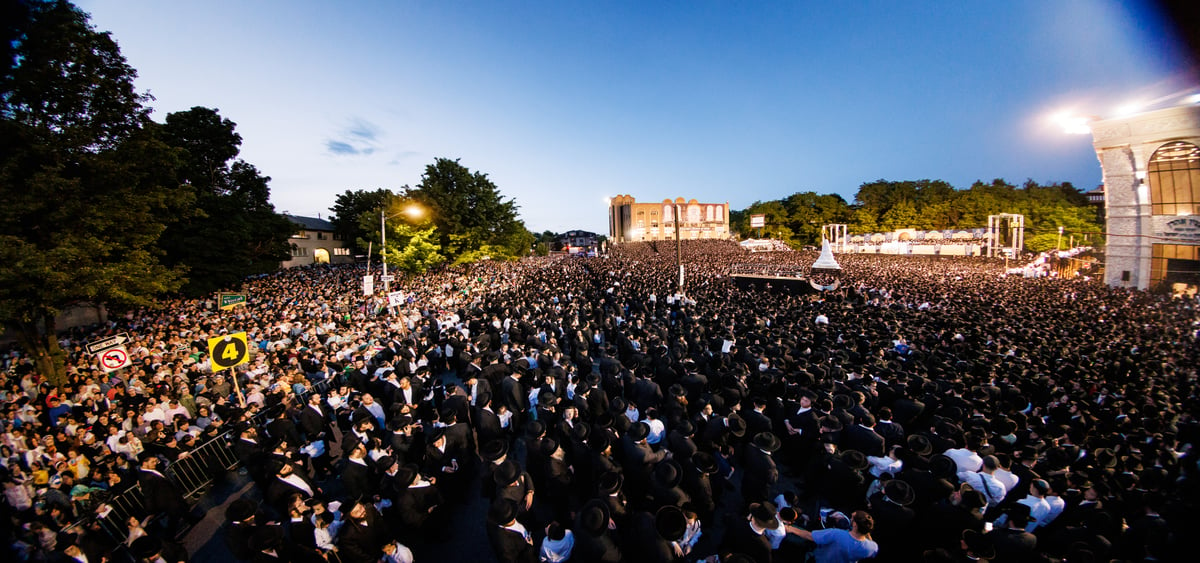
<point x="348" y="209"/>
<point x="235" y="231"/>
<point x="87" y="184"/>
<point x="473" y="220"/>
<point x="885" y="205"/>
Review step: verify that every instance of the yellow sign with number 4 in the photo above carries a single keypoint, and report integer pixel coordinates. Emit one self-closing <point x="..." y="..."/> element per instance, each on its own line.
<point x="228" y="351"/>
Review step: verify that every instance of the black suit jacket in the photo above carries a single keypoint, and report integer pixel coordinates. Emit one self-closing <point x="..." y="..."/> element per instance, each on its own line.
<point x="509" y="546"/>
<point x="863" y="439"/>
<point x="314" y="425"/>
<point x="160" y="494"/>
<point x="356" y="478"/>
<point x="358" y="542"/>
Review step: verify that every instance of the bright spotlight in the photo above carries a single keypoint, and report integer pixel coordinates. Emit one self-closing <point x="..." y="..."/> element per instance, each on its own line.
<point x="1072" y="123"/>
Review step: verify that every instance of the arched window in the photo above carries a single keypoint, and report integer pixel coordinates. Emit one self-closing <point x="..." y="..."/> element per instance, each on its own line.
<point x="1174" y="176"/>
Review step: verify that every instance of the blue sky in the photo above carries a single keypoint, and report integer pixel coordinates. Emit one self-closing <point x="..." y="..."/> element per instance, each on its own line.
<point x="565" y="103"/>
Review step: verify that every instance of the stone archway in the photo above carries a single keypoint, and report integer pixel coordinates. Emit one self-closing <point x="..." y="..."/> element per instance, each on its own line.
<point x="320" y="256"/>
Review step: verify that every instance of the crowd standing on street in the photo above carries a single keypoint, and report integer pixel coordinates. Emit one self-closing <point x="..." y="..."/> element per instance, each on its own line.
<point x="925" y="410"/>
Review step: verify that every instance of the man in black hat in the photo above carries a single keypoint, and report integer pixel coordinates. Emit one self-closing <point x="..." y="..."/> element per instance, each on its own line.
<point x="594" y="541"/>
<point x="356" y="475"/>
<point x="608" y="487"/>
<point x="160" y="494"/>
<point x="363" y="533"/>
<point x="654" y="534"/>
<point x="761" y="471"/>
<point x="513" y="396"/>
<point x="749" y="538"/>
<point x="511" y="541"/>
<point x="288" y="482"/>
<point x="861" y="436"/>
<point x="895" y="520"/>
<point x="242" y="521"/>
<point x="1011" y="541"/>
<point x="416" y="502"/>
<point x="514" y="485"/>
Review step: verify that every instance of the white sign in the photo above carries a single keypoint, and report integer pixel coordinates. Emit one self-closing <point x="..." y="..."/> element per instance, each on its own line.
<point x="368" y="285"/>
<point x="114" y="358"/>
<point x="388" y="278"/>
<point x="758" y="221"/>
<point x="97" y="346"/>
<point x="395" y="299"/>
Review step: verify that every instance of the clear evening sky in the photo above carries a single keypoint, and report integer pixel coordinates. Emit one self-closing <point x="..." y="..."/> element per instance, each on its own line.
<point x="563" y="103"/>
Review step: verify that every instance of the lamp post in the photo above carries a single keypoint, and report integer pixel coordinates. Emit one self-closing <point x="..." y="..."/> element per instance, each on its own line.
<point x="414" y="211"/>
<point x="1058" y="244"/>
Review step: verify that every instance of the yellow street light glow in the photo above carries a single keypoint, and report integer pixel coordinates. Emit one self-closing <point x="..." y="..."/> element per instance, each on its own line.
<point x="414" y="211"/>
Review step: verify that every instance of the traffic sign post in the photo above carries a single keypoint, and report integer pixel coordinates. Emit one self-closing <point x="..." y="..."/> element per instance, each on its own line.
<point x="114" y="359"/>
<point x="98" y="346"/>
<point x="228" y="352"/>
<point x="226" y="301"/>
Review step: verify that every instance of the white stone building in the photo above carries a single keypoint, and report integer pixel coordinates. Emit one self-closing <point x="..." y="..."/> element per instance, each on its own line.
<point x="1151" y="165"/>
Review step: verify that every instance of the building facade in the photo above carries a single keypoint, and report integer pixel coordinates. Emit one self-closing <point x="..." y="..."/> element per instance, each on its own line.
<point x="1151" y="165"/>
<point x="630" y="221"/>
<point x="315" y="242"/>
<point x="585" y="240"/>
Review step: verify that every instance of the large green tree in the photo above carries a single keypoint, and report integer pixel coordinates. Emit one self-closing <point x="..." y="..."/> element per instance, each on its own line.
<point x="236" y="231"/>
<point x="348" y="208"/>
<point x="473" y="220"/>
<point x="87" y="185"/>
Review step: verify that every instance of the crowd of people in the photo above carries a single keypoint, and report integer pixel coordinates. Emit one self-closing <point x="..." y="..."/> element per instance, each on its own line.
<point x="926" y="410"/>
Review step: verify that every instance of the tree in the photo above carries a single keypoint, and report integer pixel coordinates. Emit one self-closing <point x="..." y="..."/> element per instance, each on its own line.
<point x="348" y="208"/>
<point x="471" y="217"/>
<point x="412" y="237"/>
<point x="87" y="186"/>
<point x="236" y="231"/>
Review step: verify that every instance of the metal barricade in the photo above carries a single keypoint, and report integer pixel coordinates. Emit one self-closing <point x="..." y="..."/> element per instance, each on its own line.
<point x="195" y="471"/>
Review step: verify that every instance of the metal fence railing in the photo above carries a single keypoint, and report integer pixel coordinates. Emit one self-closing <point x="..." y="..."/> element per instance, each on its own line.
<point x="193" y="474"/>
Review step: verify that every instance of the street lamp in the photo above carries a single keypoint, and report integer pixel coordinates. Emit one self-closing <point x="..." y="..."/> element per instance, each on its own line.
<point x="414" y="212"/>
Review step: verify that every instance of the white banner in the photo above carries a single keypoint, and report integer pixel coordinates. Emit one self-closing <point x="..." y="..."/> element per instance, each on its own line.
<point x="368" y="285"/>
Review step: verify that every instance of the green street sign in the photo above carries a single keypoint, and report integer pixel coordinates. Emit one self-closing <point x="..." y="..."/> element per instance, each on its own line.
<point x="231" y="300"/>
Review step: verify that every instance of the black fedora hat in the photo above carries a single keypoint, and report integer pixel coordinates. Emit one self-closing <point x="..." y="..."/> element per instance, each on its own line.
<point x="407" y="474"/>
<point x="639" y="431"/>
<point x="899" y="492"/>
<point x="763" y="514"/>
<point x="919" y="444"/>
<point x="705" y="462"/>
<point x="979" y="544"/>
<point x="535" y="428"/>
<point x="494" y="449"/>
<point x="610" y="482"/>
<point x="667" y="473"/>
<point x="146" y="547"/>
<point x="594" y="517"/>
<point x="507" y="472"/>
<point x="766" y="441"/>
<point x="737" y="425"/>
<point x="503" y="511"/>
<point x="854" y="459"/>
<point x="670" y="523"/>
<point x="240" y="509"/>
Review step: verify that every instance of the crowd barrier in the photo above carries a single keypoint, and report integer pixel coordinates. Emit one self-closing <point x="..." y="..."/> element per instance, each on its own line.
<point x="193" y="475"/>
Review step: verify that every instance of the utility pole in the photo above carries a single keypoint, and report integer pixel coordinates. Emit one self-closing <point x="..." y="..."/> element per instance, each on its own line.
<point x="1058" y="245"/>
<point x="383" y="247"/>
<point x="678" y="249"/>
